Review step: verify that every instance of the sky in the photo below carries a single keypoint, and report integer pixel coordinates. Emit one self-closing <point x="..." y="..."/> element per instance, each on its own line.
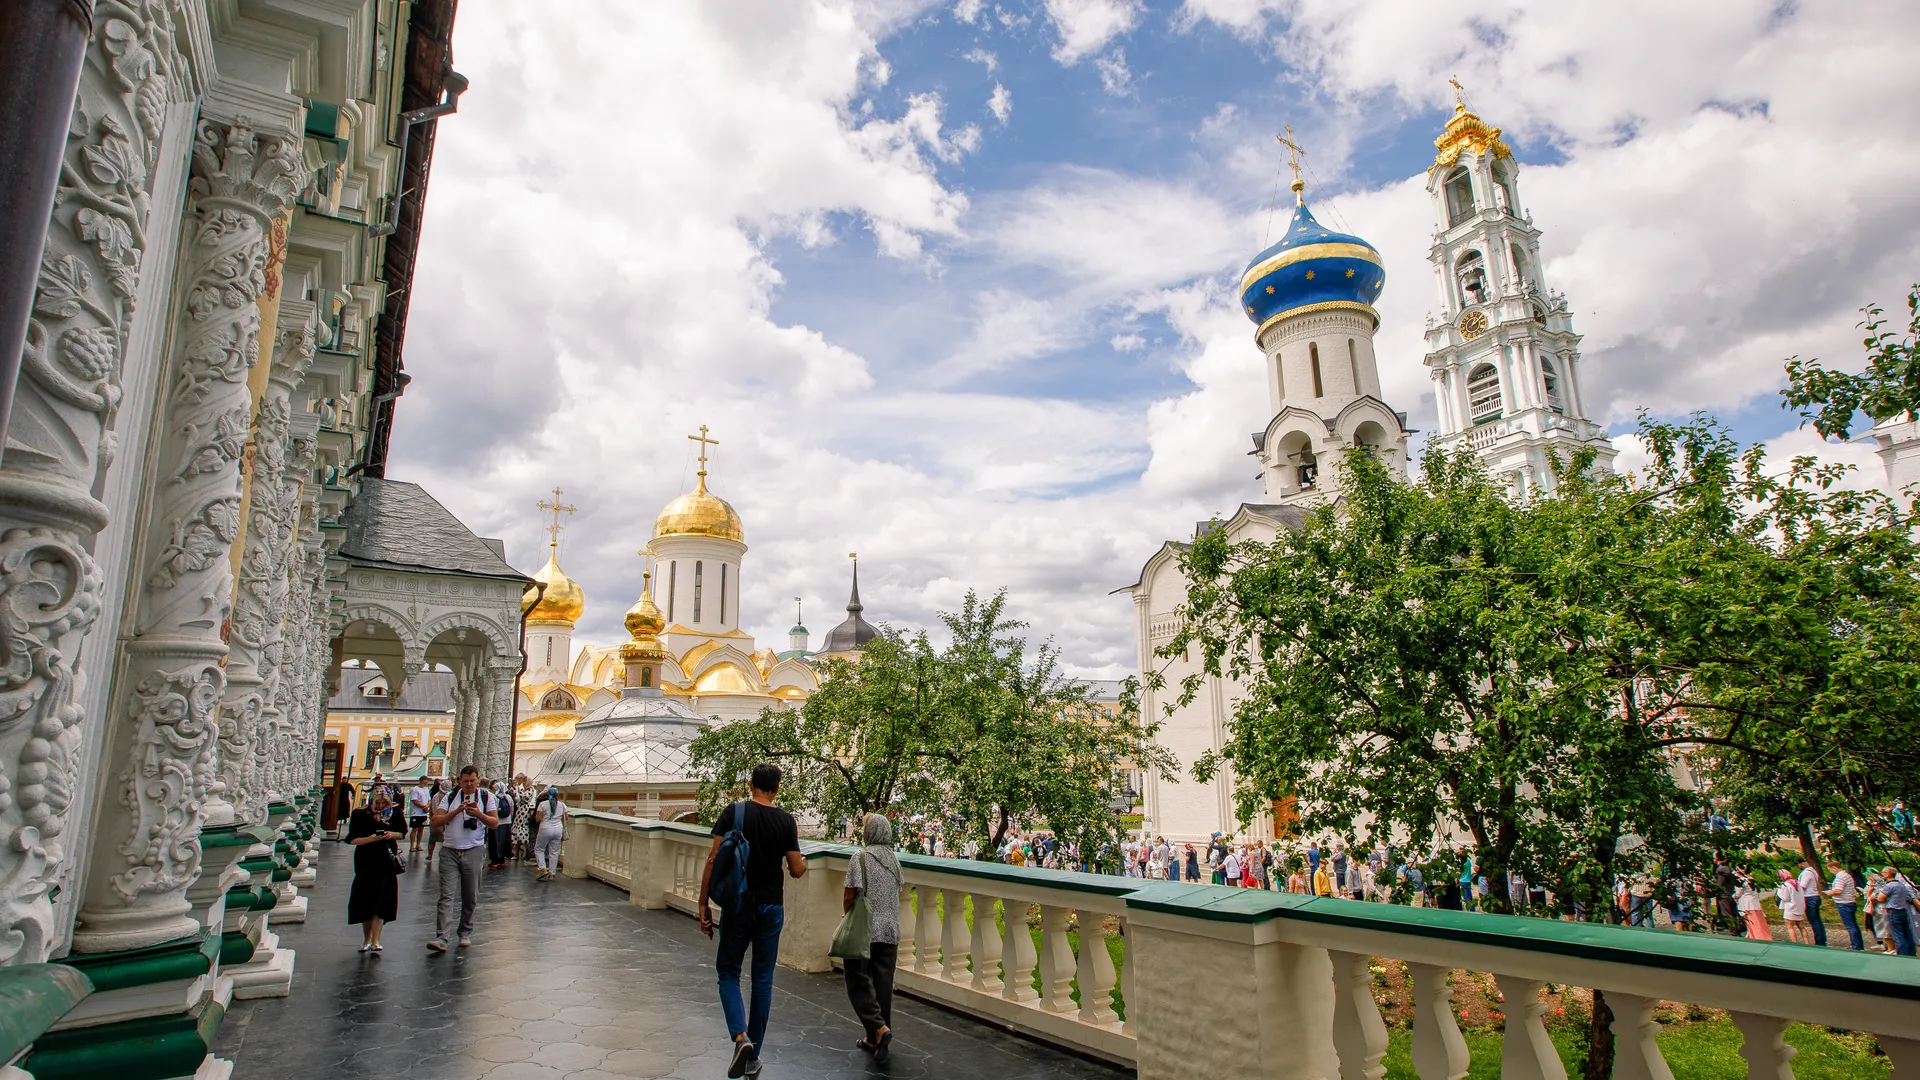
<point x="952" y="283"/>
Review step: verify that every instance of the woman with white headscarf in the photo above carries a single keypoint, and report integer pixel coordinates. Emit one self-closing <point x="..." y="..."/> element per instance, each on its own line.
<point x="875" y="873"/>
<point x="549" y="820"/>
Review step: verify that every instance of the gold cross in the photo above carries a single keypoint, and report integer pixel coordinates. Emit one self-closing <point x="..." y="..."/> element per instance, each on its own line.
<point x="1294" y="154"/>
<point x="1459" y="92"/>
<point x="558" y="508"/>
<point x="704" y="443"/>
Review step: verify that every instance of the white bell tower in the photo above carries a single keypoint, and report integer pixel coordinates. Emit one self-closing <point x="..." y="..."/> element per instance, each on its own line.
<point x="1502" y="351"/>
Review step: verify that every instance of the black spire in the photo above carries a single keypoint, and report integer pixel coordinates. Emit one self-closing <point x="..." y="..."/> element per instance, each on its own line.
<point x="853" y="634"/>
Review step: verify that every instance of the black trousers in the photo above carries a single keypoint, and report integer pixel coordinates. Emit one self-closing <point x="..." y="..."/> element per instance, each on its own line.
<point x="870" y="987"/>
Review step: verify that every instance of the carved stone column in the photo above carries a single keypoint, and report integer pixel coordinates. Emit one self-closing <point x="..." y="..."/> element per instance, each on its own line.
<point x="162" y="738"/>
<point x="95" y="268"/>
<point x="465" y="711"/>
<point x="304" y="652"/>
<point x="499" y="741"/>
<point x="257" y="636"/>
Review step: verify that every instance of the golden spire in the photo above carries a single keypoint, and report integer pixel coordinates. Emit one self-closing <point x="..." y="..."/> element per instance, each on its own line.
<point x="704" y="443"/>
<point x="1466" y="132"/>
<point x="1294" y="154"/>
<point x="558" y="508"/>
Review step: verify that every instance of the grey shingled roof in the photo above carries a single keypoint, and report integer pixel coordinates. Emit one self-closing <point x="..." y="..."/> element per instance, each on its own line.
<point x="429" y="691"/>
<point x="397" y="525"/>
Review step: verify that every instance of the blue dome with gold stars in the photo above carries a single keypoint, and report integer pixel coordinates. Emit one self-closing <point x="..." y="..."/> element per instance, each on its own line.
<point x="1311" y="266"/>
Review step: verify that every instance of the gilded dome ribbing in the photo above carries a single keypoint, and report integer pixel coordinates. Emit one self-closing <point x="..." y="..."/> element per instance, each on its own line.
<point x="563" y="600"/>
<point x="699" y="513"/>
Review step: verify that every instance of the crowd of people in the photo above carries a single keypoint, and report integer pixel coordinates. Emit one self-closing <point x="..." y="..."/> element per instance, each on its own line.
<point x="463" y="829"/>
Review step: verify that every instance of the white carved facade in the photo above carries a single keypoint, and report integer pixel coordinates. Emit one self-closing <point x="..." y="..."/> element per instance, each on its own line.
<point x="200" y="418"/>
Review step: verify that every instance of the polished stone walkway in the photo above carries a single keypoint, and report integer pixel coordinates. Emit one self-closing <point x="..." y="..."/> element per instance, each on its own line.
<point x="567" y="980"/>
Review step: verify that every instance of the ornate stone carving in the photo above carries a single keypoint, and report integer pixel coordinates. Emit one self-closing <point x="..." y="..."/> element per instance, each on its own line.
<point x="61" y="439"/>
<point x="148" y="853"/>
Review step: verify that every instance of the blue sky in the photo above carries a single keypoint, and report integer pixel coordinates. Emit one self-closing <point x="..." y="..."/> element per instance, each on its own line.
<point x="952" y="281"/>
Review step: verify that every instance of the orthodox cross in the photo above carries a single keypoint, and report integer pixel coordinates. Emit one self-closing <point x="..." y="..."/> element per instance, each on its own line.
<point x="558" y="508"/>
<point x="704" y="443"/>
<point x="1459" y="92"/>
<point x="1294" y="154"/>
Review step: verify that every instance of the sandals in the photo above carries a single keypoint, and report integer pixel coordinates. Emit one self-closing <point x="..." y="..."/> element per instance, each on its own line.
<point x="881" y="1050"/>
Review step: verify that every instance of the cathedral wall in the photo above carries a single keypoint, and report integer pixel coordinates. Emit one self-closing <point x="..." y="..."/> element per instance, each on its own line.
<point x="1343" y="342"/>
<point x="699" y="573"/>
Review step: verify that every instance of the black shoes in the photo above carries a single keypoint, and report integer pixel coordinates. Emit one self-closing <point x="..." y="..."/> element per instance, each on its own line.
<point x="743" y="1054"/>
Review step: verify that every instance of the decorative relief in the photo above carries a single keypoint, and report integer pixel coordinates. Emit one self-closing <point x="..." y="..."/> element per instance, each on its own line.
<point x="175" y="713"/>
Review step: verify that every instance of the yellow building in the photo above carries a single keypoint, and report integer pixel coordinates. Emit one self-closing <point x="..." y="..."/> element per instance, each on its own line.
<point x="370" y="730"/>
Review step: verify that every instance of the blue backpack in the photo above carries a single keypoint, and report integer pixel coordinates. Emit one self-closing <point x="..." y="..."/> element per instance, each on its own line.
<point x="728" y="886"/>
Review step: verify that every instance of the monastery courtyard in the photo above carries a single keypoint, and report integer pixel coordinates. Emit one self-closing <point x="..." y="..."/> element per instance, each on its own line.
<point x="566" y="980"/>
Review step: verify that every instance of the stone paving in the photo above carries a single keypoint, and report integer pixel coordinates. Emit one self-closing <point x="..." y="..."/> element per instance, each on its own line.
<point x="567" y="981"/>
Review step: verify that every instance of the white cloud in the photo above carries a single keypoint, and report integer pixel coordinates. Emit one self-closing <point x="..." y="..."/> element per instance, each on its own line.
<point x="983" y="57"/>
<point x="1086" y="26"/>
<point x="1001" y="103"/>
<point x="1128" y="342"/>
<point x="1114" y="76"/>
<point x="967" y="11"/>
<point x="1123" y="233"/>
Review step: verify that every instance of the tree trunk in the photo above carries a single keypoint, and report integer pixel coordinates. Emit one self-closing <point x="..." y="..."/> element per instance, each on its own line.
<point x="1599" y="1064"/>
<point x="1810" y="850"/>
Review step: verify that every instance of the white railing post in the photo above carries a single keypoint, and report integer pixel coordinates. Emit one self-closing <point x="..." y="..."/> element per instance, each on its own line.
<point x="1127" y="1026"/>
<point x="954" y="935"/>
<point x="903" y="952"/>
<point x="1636" y="1056"/>
<point x="1527" y="1051"/>
<point x="1439" y="1051"/>
<point x="1359" y="1034"/>
<point x="1767" y="1053"/>
<point x="1095" y="972"/>
<point x="1017" y="956"/>
<point x="986" y="946"/>
<point x="1056" y="960"/>
<point x="926" y="954"/>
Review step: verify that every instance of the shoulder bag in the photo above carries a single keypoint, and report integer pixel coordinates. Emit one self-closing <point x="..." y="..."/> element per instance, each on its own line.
<point x="854" y="938"/>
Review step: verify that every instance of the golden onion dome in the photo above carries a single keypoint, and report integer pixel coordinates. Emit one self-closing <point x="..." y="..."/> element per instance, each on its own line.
<point x="563" y="600"/>
<point x="644" y="623"/>
<point x="699" y="513"/>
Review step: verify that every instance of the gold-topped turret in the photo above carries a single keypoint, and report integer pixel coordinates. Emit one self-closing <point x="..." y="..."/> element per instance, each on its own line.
<point x="1466" y="131"/>
<point x="563" y="599"/>
<point x="642" y="653"/>
<point x="700" y="512"/>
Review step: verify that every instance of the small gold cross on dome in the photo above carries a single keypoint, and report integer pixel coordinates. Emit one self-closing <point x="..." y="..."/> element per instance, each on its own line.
<point x="1309" y="275"/>
<point x="1294" y="154"/>
<point x="558" y="508"/>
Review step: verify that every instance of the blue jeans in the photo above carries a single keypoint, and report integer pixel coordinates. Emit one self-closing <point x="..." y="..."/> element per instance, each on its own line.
<point x="762" y="931"/>
<point x="1813" y="920"/>
<point x="1900" y="924"/>
<point x="1853" y="926"/>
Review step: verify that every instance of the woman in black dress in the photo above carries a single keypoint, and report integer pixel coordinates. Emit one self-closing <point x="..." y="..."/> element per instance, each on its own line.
<point x="375" y="897"/>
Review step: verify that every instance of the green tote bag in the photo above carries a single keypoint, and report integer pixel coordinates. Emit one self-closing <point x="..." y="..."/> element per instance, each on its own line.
<point x="854" y="939"/>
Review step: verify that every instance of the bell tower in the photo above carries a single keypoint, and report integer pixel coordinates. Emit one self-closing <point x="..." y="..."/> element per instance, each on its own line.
<point x="1502" y="351"/>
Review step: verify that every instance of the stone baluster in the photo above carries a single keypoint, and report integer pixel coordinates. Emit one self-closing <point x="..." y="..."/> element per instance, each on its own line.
<point x="1126" y="977"/>
<point x="86" y="369"/>
<point x="1439" y="1051"/>
<point x="903" y="952"/>
<point x="1359" y="1033"/>
<point x="1095" y="972"/>
<point x="1056" y="960"/>
<point x="1762" y="1044"/>
<point x="986" y="946"/>
<point x="1526" y="1051"/>
<point x="1903" y="1053"/>
<point x="954" y="936"/>
<point x="162" y="741"/>
<point x="1017" y="955"/>
<point x="1636" y="1056"/>
<point x="926" y="933"/>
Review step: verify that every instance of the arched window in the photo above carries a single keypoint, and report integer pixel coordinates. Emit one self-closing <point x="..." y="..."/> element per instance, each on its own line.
<point x="1503" y="189"/>
<point x="673" y="587"/>
<point x="1308" y="470"/>
<point x="1552" y="380"/>
<point x="1353" y="361"/>
<point x="1280" y="374"/>
<point x="723" y="593"/>
<point x="699" y="572"/>
<point x="1313" y="361"/>
<point x="1483" y="393"/>
<point x="1471" y="272"/>
<point x="1459" y="196"/>
<point x="646" y="677"/>
<point x="1523" y="271"/>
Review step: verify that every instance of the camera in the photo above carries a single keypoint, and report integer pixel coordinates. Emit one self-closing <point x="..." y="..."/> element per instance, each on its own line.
<point x="470" y="821"/>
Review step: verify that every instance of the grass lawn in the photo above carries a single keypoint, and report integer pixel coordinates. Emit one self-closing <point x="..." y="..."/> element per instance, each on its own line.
<point x="1707" y="1050"/>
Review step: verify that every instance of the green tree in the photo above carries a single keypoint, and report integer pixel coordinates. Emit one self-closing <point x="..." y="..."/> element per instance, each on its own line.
<point x="1889" y="387"/>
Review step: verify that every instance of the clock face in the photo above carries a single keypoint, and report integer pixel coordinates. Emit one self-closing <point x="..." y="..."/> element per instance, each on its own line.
<point x="1473" y="324"/>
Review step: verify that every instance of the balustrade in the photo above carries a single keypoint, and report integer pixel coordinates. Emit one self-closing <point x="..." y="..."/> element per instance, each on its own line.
<point x="1271" y="985"/>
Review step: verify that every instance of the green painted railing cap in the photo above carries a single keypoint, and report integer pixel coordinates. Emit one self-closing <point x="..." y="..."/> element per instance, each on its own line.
<point x="182" y="959"/>
<point x="254" y="864"/>
<point x="225" y="836"/>
<point x="251" y="898"/>
<point x="33" y="997"/>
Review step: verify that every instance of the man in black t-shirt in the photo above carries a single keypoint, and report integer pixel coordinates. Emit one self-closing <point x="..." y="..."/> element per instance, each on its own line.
<point x="775" y="847"/>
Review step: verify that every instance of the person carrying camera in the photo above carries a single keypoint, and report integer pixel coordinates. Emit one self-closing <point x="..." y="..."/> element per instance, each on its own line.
<point x="467" y="814"/>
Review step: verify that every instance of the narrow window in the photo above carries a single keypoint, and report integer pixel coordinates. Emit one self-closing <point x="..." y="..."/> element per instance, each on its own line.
<point x="1313" y="361"/>
<point x="1483" y="393"/>
<point x="1353" y="360"/>
<point x="646" y="677"/>
<point x="1552" y="379"/>
<point x="1459" y="197"/>
<point x="1280" y="374"/>
<point x="723" y="594"/>
<point x="699" y="573"/>
<point x="673" y="587"/>
<point x="549" y="652"/>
